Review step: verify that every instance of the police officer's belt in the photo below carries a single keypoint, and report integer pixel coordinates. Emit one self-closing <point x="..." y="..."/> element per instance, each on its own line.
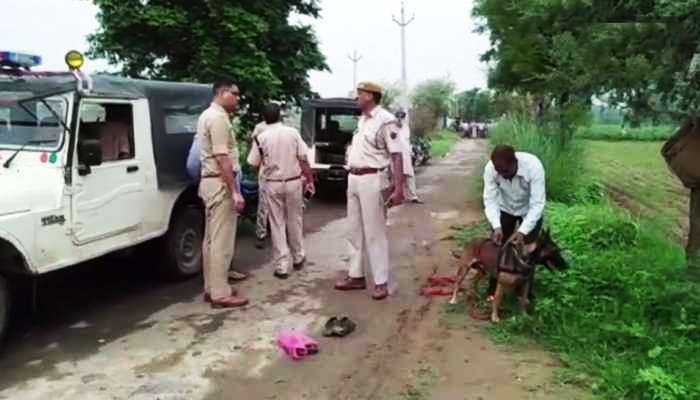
<point x="364" y="171"/>
<point x="283" y="180"/>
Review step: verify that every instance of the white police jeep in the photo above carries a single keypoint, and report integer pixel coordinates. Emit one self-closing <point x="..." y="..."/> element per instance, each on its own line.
<point x="92" y="165"/>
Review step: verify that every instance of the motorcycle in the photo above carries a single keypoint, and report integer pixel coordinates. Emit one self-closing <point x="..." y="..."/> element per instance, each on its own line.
<point x="420" y="151"/>
<point x="249" y="191"/>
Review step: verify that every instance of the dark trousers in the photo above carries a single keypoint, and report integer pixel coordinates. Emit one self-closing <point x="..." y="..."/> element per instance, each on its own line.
<point x="508" y="224"/>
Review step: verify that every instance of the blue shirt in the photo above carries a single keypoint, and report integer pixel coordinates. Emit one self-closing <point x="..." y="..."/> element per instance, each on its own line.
<point x="194" y="164"/>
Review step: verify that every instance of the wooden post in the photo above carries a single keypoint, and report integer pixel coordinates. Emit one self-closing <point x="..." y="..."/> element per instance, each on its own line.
<point x="693" y="249"/>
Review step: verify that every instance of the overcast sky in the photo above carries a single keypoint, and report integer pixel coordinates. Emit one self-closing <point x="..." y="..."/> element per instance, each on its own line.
<point x="440" y="41"/>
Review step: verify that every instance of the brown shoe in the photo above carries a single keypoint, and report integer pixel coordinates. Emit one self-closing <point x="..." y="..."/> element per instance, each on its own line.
<point x="380" y="292"/>
<point x="229" y="302"/>
<point x="207" y="296"/>
<point x="351" y="284"/>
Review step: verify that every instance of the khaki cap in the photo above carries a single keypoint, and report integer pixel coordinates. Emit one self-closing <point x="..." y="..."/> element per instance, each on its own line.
<point x="370" y="87"/>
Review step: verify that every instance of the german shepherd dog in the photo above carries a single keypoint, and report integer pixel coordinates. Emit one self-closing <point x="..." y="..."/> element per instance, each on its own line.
<point x="510" y="264"/>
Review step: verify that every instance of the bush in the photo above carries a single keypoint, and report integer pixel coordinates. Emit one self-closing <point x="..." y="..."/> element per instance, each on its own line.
<point x="624" y="313"/>
<point x="563" y="164"/>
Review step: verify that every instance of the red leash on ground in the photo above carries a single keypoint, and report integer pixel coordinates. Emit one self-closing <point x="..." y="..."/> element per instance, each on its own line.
<point x="438" y="286"/>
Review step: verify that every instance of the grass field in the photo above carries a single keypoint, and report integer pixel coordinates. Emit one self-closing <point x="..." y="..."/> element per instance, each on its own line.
<point x="441" y="142"/>
<point x="613" y="132"/>
<point x="637" y="177"/>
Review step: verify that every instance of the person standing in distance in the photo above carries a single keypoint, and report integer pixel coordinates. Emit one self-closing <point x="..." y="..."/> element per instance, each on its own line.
<point x="408" y="171"/>
<point x="222" y="199"/>
<point x="374" y="147"/>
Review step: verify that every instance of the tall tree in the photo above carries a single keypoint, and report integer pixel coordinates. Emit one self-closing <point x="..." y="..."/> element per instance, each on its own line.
<point x="432" y="99"/>
<point x="252" y="42"/>
<point x="636" y="51"/>
<point x="475" y="105"/>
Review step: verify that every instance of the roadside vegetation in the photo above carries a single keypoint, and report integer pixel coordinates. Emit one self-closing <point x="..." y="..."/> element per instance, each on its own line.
<point x="623" y="319"/>
<point x="441" y="142"/>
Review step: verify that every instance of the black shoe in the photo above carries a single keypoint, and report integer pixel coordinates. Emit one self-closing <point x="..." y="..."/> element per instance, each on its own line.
<point x="300" y="265"/>
<point x="281" y="275"/>
<point x="260" y="243"/>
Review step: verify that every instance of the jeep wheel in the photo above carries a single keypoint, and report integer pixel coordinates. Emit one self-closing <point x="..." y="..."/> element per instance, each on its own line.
<point x="4" y="306"/>
<point x="183" y="243"/>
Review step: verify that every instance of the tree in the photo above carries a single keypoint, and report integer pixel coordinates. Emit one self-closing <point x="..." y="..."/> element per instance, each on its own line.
<point x="431" y="99"/>
<point x="638" y="52"/>
<point x="392" y="94"/>
<point x="475" y="105"/>
<point x="251" y="42"/>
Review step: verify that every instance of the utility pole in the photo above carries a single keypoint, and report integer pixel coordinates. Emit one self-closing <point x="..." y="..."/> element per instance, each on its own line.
<point x="404" y="78"/>
<point x="355" y="59"/>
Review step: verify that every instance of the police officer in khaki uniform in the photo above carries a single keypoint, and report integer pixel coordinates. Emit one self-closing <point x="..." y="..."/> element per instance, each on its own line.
<point x="281" y="155"/>
<point x="218" y="190"/>
<point x="374" y="147"/>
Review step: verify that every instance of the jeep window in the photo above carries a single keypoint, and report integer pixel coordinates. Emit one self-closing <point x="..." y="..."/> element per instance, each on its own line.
<point x="113" y="125"/>
<point x="182" y="120"/>
<point x="31" y="121"/>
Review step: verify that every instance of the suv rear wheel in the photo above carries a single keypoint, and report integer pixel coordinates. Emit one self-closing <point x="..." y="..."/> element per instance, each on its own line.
<point x="183" y="243"/>
<point x="4" y="306"/>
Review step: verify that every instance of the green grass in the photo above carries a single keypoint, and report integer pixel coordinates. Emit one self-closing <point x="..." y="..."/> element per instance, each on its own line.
<point x="441" y="142"/>
<point x="637" y="177"/>
<point x="614" y="132"/>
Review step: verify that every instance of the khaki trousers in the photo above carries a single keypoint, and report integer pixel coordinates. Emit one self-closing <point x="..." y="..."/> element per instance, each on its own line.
<point x="285" y="201"/>
<point x="368" y="231"/>
<point x="410" y="187"/>
<point x="219" y="236"/>
<point x="409" y="173"/>
<point x="263" y="210"/>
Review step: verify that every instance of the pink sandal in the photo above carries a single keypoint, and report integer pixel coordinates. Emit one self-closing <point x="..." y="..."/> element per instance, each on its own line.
<point x="310" y="344"/>
<point x="297" y="345"/>
<point x="292" y="345"/>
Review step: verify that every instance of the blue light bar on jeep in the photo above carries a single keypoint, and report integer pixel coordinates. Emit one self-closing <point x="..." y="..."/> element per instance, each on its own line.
<point x="19" y="59"/>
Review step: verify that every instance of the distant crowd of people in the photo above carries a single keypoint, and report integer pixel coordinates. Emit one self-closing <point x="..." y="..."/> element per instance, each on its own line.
<point x="472" y="129"/>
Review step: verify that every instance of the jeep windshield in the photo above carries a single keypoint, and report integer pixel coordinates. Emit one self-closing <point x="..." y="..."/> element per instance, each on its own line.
<point x="33" y="113"/>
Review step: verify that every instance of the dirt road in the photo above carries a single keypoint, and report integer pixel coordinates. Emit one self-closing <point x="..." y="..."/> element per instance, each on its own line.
<point x="110" y="330"/>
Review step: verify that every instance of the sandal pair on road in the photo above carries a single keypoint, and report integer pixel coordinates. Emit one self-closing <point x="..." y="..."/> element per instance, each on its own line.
<point x="338" y="327"/>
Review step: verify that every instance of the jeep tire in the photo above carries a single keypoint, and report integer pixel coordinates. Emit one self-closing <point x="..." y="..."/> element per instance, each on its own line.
<point x="5" y="300"/>
<point x="183" y="243"/>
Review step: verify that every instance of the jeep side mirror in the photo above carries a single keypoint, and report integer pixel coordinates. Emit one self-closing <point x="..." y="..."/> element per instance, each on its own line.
<point x="89" y="154"/>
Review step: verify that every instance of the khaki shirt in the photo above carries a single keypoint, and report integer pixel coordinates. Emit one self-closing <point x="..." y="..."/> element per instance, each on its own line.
<point x="377" y="137"/>
<point x="259" y="128"/>
<point x="282" y="148"/>
<point x="214" y="131"/>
